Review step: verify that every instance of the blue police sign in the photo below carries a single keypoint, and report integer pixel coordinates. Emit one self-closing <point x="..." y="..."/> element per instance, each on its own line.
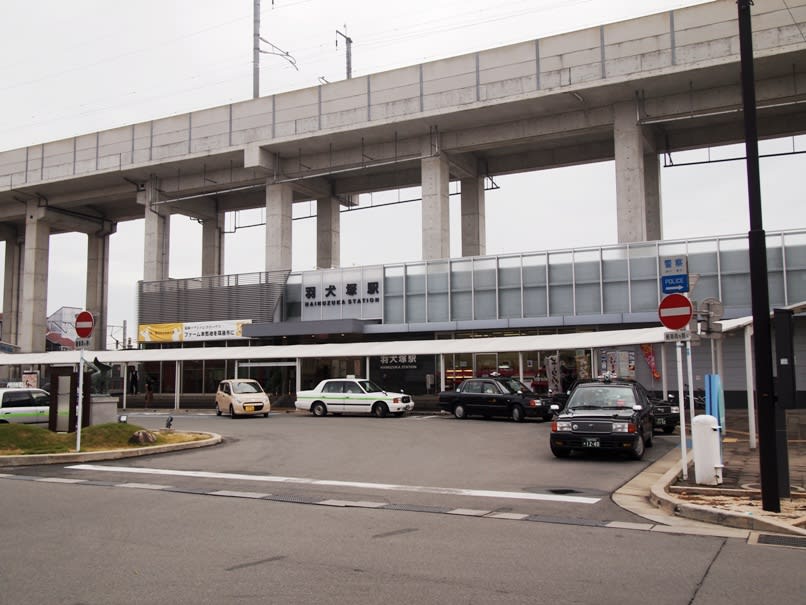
<point x="671" y="284"/>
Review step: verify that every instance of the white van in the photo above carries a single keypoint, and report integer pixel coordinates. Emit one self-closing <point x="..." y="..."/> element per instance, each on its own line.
<point x="24" y="405"/>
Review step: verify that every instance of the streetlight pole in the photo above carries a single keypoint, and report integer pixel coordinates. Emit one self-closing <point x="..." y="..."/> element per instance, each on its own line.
<point x="759" y="291"/>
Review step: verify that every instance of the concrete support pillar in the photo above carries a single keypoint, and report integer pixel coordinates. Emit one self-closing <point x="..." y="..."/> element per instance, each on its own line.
<point x="279" y="198"/>
<point x="652" y="185"/>
<point x="33" y="312"/>
<point x="97" y="300"/>
<point x="213" y="245"/>
<point x="11" y="287"/>
<point x="157" y="235"/>
<point x="435" y="208"/>
<point x="474" y="229"/>
<point x="328" y="233"/>
<point x="637" y="178"/>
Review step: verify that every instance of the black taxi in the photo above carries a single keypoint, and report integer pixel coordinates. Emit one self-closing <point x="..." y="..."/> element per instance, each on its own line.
<point x="607" y="414"/>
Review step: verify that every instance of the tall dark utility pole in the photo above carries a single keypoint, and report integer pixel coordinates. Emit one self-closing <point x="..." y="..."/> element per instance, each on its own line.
<point x="759" y="292"/>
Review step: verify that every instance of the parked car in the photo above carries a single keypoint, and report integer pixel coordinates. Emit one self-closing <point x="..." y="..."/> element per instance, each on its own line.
<point x="24" y="405"/>
<point x="241" y="397"/>
<point x="495" y="396"/>
<point x="665" y="414"/>
<point x="352" y="395"/>
<point x="606" y="414"/>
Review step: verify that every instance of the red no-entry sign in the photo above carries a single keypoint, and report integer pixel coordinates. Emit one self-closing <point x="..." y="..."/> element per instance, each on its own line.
<point x="675" y="311"/>
<point x="84" y="324"/>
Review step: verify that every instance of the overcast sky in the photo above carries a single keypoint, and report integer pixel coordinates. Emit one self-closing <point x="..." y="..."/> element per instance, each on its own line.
<point x="78" y="66"/>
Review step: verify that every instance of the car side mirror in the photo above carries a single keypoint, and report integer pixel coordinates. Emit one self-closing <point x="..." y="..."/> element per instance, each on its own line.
<point x="554" y="407"/>
<point x="637" y="407"/>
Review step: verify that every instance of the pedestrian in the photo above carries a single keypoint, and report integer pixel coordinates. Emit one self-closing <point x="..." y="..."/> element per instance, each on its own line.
<point x="133" y="380"/>
<point x="149" y="393"/>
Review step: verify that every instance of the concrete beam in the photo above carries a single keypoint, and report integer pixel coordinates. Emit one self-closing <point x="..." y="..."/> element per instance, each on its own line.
<point x="68" y="221"/>
<point x="203" y="209"/>
<point x="311" y="189"/>
<point x="463" y="165"/>
<point x="255" y="156"/>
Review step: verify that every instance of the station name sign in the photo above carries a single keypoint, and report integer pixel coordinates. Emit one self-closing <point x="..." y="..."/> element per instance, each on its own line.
<point x="343" y="294"/>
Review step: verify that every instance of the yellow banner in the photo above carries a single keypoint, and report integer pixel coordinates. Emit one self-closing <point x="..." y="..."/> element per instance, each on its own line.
<point x="160" y="332"/>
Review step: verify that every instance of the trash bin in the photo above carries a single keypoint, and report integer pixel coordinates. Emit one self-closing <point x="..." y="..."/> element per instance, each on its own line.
<point x="707" y="448"/>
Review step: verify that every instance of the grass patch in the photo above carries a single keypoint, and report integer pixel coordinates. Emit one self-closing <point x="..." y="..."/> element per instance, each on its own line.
<point x="23" y="439"/>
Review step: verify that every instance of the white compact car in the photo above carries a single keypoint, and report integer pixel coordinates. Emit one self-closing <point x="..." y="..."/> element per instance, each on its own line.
<point x="24" y="405"/>
<point x="352" y="395"/>
<point x="241" y="397"/>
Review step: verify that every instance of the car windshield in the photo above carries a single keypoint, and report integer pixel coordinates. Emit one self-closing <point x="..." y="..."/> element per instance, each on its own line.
<point x="243" y="388"/>
<point x="511" y="385"/>
<point x="602" y="397"/>
<point x="369" y="386"/>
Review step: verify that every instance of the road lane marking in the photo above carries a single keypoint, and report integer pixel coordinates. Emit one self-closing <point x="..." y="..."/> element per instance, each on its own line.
<point x="422" y="489"/>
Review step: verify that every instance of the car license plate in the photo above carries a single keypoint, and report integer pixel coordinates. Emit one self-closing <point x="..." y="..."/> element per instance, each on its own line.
<point x="660" y="421"/>
<point x="249" y="408"/>
<point x="590" y="443"/>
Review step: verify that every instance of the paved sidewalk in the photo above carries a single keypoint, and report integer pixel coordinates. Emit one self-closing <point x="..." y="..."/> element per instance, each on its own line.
<point x="736" y="502"/>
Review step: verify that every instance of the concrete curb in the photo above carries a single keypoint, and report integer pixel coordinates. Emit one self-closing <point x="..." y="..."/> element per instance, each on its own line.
<point x="146" y="450"/>
<point x="660" y="497"/>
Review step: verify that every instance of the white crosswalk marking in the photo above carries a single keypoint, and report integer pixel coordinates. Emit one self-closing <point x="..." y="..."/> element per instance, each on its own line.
<point x="422" y="489"/>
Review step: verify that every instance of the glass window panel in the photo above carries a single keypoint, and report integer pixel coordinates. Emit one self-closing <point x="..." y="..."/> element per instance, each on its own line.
<point x="461" y="306"/>
<point x="415" y="308"/>
<point x="509" y="272"/>
<point x="534" y="270"/>
<point x="461" y="275"/>
<point x="587" y="299"/>
<point x="438" y="274"/>
<point x="644" y="295"/>
<point x="561" y="300"/>
<point x="560" y="269"/>
<point x="393" y="280"/>
<point x="642" y="267"/>
<point x="393" y="309"/>
<point x="484" y="274"/>
<point x="485" y="307"/>
<point x="615" y="297"/>
<point x="534" y="302"/>
<point x="415" y="279"/>
<point x="438" y="307"/>
<point x="509" y="303"/>
<point x="586" y="266"/>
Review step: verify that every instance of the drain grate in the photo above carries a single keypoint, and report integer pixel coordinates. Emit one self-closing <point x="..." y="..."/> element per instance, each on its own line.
<point x="564" y="491"/>
<point x="777" y="540"/>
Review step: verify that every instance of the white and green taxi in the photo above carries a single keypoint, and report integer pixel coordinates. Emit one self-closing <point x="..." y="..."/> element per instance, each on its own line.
<point x="352" y="395"/>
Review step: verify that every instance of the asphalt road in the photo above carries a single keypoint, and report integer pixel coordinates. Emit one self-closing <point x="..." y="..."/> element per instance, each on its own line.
<point x="296" y="509"/>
